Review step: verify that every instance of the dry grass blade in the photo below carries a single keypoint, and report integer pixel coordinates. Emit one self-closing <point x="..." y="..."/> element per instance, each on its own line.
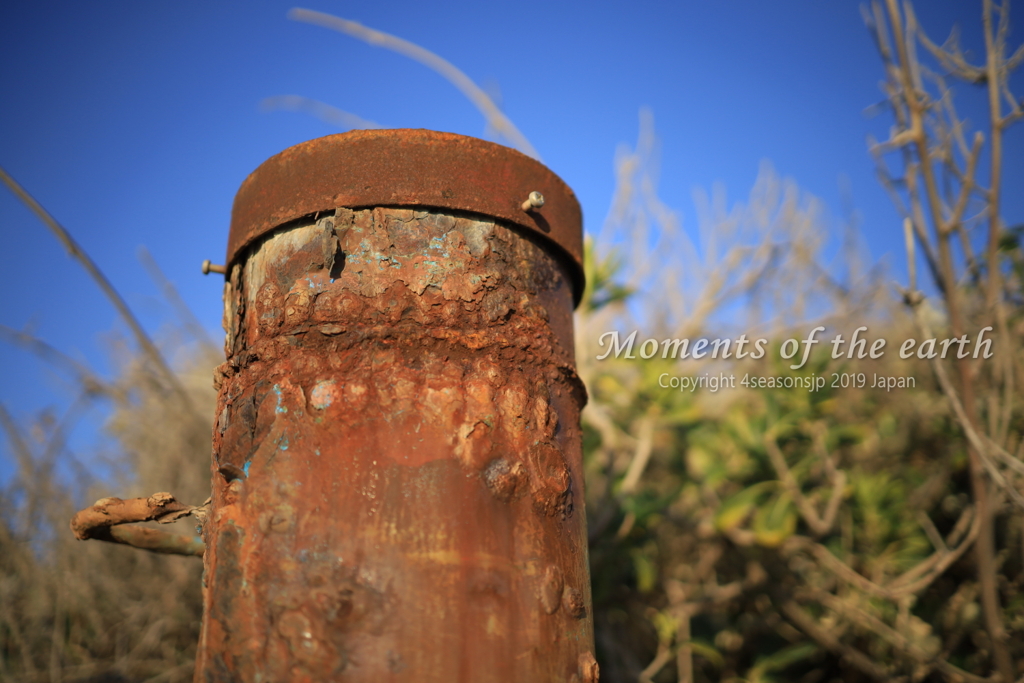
<point x="87" y="379"/>
<point x="170" y="292"/>
<point x="321" y="110"/>
<point x="76" y="252"/>
<point x="495" y="118"/>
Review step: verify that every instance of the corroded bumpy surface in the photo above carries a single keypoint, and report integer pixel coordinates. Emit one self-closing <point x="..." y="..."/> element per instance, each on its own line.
<point x="397" y="465"/>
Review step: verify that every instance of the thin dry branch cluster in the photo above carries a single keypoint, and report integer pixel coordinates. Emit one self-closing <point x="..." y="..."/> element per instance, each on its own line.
<point x="901" y="612"/>
<point x="770" y="246"/>
<point x="937" y="185"/>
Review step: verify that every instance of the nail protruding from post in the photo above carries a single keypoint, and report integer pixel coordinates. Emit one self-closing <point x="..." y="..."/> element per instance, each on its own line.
<point x="534" y="201"/>
<point x="213" y="268"/>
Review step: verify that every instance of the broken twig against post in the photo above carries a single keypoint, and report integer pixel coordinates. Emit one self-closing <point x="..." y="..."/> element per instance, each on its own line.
<point x="102" y="522"/>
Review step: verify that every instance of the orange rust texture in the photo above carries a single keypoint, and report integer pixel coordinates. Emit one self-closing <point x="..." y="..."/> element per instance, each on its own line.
<point x="397" y="459"/>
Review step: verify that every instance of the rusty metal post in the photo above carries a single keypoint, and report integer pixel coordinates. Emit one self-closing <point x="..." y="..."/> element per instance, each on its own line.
<point x="397" y="479"/>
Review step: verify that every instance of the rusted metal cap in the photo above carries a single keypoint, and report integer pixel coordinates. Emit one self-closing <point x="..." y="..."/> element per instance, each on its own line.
<point x="409" y="168"/>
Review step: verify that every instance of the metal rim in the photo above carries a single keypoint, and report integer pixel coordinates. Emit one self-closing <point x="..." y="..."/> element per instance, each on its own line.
<point x="407" y="168"/>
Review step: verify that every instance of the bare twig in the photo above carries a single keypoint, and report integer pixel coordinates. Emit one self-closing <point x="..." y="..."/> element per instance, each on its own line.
<point x="903" y="585"/>
<point x="809" y="625"/>
<point x="108" y="512"/>
<point x="916" y="115"/>
<point x="819" y="525"/>
<point x="153" y="540"/>
<point x="644" y="446"/>
<point x="894" y="637"/>
<point x="663" y="657"/>
<point x="943" y="557"/>
<point x="967" y="185"/>
<point x="101" y="521"/>
<point x="933" y="534"/>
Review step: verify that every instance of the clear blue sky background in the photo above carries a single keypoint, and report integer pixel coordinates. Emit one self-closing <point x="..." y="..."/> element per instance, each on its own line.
<point x="135" y="122"/>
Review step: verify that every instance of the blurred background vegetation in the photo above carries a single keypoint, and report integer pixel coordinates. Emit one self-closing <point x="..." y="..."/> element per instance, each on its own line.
<point x="844" y="534"/>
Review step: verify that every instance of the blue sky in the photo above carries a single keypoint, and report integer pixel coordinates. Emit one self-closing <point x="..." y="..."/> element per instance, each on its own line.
<point x="135" y="123"/>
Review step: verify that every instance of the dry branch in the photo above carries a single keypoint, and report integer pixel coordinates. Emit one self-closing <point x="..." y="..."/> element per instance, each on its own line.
<point x="108" y="512"/>
<point x="101" y="522"/>
<point x="936" y="133"/>
<point x="809" y="625"/>
<point x="818" y="524"/>
<point x="153" y="540"/>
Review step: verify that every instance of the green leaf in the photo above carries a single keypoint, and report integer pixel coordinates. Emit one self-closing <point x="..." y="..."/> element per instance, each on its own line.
<point x="735" y="509"/>
<point x="665" y="625"/>
<point x="781" y="659"/>
<point x="646" y="571"/>
<point x="600" y="273"/>
<point x="775" y="521"/>
<point x="702" y="649"/>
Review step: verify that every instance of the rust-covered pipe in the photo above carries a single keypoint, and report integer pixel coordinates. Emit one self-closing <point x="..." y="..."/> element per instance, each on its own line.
<point x="397" y="479"/>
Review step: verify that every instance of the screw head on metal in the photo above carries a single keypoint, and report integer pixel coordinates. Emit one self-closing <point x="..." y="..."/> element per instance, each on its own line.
<point x="213" y="268"/>
<point x="534" y="201"/>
